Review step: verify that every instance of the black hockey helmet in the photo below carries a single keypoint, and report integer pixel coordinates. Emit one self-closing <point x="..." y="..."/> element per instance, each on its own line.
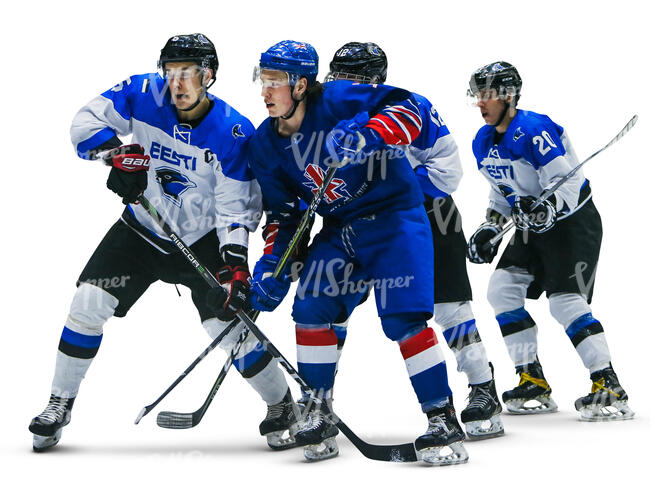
<point x="190" y="47"/>
<point x="500" y="76"/>
<point x="360" y="61"/>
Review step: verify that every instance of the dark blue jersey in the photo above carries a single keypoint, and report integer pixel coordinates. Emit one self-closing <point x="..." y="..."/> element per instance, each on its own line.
<point x="292" y="168"/>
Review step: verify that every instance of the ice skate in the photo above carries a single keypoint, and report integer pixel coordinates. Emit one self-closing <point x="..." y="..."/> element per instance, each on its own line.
<point x="442" y="444"/>
<point x="280" y="424"/>
<point x="481" y="416"/>
<point x="47" y="426"/>
<point x="317" y="434"/>
<point x="532" y="395"/>
<point x="607" y="400"/>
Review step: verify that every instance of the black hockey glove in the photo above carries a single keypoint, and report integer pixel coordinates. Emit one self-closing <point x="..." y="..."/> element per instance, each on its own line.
<point x="479" y="250"/>
<point x="128" y="176"/>
<point x="540" y="219"/>
<point x="229" y="298"/>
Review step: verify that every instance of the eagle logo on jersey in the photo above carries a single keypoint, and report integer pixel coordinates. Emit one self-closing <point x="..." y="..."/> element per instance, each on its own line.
<point x="174" y="184"/>
<point x="237" y="132"/>
<point x="335" y="190"/>
<point x="518" y="133"/>
<point x="182" y="132"/>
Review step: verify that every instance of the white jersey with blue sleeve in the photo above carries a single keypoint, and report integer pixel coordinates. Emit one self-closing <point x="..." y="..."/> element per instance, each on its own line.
<point x="434" y="154"/>
<point x="533" y="154"/>
<point x="199" y="177"/>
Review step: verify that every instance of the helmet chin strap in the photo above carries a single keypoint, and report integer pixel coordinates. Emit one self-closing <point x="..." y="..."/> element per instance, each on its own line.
<point x="296" y="102"/>
<point x="204" y="91"/>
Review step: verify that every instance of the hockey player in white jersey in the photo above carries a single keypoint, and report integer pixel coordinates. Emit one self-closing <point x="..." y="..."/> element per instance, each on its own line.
<point x="187" y="156"/>
<point x="435" y="159"/>
<point x="555" y="248"/>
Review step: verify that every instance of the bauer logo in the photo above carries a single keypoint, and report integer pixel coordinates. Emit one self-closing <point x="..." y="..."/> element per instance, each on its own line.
<point x="135" y="164"/>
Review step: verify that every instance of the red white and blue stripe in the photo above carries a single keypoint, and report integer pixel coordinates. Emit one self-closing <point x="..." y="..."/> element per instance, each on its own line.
<point x="397" y="124"/>
<point x="317" y="356"/>
<point x="426" y="367"/>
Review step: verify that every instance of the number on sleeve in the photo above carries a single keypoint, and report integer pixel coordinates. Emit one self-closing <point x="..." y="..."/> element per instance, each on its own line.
<point x="539" y="141"/>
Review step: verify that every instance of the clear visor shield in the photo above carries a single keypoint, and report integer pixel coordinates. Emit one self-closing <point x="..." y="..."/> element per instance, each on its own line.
<point x="474" y="97"/>
<point x="182" y="74"/>
<point x="267" y="78"/>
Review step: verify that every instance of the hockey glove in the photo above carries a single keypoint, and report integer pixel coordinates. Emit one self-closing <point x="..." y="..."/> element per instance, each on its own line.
<point x="479" y="249"/>
<point x="540" y="219"/>
<point x="128" y="176"/>
<point x="228" y="299"/>
<point x="266" y="291"/>
<point x="351" y="141"/>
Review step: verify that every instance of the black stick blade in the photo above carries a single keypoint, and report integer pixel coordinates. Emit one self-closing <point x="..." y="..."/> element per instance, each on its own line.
<point x="174" y="420"/>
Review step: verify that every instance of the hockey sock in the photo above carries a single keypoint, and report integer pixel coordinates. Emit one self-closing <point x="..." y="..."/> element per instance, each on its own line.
<point x="81" y="337"/>
<point x="585" y="332"/>
<point x="588" y="337"/>
<point x="253" y="361"/>
<point x="459" y="329"/>
<point x="317" y="355"/>
<point x="426" y="367"/>
<point x="520" y="335"/>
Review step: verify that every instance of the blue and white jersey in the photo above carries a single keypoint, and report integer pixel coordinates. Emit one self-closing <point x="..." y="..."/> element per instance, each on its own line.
<point x="199" y="178"/>
<point x="533" y="154"/>
<point x="434" y="154"/>
<point x="292" y="168"/>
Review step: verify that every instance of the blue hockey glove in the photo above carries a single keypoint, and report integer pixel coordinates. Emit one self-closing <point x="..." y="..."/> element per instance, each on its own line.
<point x="267" y="292"/>
<point x="351" y="140"/>
<point x="540" y="219"/>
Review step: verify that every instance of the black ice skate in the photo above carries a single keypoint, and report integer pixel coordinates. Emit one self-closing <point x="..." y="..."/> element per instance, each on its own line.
<point x="607" y="400"/>
<point x="532" y="395"/>
<point x="442" y="444"/>
<point x="48" y="425"/>
<point x="481" y="416"/>
<point x="316" y="433"/>
<point x="280" y="424"/>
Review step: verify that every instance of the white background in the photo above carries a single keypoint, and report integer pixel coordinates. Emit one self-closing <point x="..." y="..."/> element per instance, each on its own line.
<point x="583" y="63"/>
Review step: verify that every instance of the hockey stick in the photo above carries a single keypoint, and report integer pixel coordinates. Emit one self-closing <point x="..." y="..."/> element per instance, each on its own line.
<point x="547" y="193"/>
<point x="395" y="453"/>
<point x="188" y="420"/>
<point x="205" y="352"/>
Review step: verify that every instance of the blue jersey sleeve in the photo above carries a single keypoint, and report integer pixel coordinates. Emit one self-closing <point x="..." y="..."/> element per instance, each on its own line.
<point x="543" y="143"/>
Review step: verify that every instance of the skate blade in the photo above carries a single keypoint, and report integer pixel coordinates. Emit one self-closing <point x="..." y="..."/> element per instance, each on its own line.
<point x="523" y="406"/>
<point x="42" y="443"/>
<point x="485" y="429"/>
<point x="319" y="452"/>
<point x="454" y="453"/>
<point x="282" y="439"/>
<point x="615" y="411"/>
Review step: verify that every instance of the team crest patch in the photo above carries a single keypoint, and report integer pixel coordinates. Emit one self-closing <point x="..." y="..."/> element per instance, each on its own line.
<point x="237" y="132"/>
<point x="182" y="132"/>
<point x="174" y="184"/>
<point x="518" y="133"/>
<point x="335" y="190"/>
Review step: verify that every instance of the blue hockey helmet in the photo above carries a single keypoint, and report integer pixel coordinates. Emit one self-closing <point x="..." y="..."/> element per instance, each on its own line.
<point x="297" y="59"/>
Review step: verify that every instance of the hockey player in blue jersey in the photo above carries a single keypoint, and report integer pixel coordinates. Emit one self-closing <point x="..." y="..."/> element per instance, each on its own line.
<point x="433" y="154"/>
<point x="186" y="155"/>
<point x="555" y="248"/>
<point x="368" y="209"/>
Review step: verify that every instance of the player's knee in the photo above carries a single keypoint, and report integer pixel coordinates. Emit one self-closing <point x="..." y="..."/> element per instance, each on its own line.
<point x="567" y="307"/>
<point x="401" y="326"/>
<point x="91" y="308"/>
<point x="453" y="313"/>
<point x="504" y="294"/>
<point x="214" y="327"/>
